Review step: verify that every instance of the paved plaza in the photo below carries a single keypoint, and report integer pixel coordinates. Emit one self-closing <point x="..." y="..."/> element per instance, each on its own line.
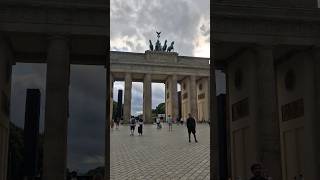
<point x="160" y="154"/>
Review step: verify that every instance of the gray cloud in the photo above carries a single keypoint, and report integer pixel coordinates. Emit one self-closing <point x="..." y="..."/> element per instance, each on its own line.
<point x="26" y="76"/>
<point x="138" y="20"/>
<point x="87" y="117"/>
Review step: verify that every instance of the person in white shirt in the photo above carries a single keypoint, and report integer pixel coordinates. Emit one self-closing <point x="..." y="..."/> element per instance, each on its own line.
<point x="181" y="121"/>
<point x="132" y="125"/>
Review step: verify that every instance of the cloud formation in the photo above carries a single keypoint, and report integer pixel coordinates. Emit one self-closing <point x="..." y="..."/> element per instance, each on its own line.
<point x="134" y="22"/>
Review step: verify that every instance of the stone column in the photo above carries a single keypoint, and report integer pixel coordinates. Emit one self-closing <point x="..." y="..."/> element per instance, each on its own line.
<point x="127" y="98"/>
<point x="6" y="60"/>
<point x="208" y="98"/>
<point x="111" y="96"/>
<point x="174" y="96"/>
<point x="56" y="113"/>
<point x="267" y="123"/>
<point x="108" y="116"/>
<point x="166" y="96"/>
<point x="214" y="150"/>
<point x="316" y="60"/>
<point x="147" y="99"/>
<point x="193" y="97"/>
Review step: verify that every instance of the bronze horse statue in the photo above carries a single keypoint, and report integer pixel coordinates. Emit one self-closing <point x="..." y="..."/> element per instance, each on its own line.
<point x="170" y="47"/>
<point x="151" y="46"/>
<point x="164" y="46"/>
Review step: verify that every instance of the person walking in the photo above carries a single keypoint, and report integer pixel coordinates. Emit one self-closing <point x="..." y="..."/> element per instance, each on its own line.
<point x="159" y="126"/>
<point x="132" y="125"/>
<point x="181" y="120"/>
<point x="140" y="123"/>
<point x="117" y="121"/>
<point x="112" y="124"/>
<point x="169" y="121"/>
<point x="256" y="170"/>
<point x="191" y="126"/>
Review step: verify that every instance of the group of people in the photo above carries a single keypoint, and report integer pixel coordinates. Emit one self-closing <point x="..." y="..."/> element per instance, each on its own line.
<point x="191" y="125"/>
<point x="115" y="122"/>
<point x="190" y="122"/>
<point x="132" y="124"/>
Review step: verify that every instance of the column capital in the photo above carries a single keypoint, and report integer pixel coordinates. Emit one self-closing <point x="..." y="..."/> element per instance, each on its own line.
<point x="263" y="46"/>
<point x="193" y="77"/>
<point x="111" y="78"/>
<point x="127" y="74"/>
<point x="170" y="76"/>
<point x="174" y="77"/>
<point x="58" y="37"/>
<point x="58" y="41"/>
<point x="216" y="43"/>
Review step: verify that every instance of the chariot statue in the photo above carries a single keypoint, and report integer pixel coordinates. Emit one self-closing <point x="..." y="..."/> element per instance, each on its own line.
<point x="158" y="46"/>
<point x="164" y="46"/>
<point x="151" y="46"/>
<point x="170" y="47"/>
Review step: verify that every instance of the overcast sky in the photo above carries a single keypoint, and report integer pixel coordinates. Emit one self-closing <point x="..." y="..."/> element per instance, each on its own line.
<point x="133" y="23"/>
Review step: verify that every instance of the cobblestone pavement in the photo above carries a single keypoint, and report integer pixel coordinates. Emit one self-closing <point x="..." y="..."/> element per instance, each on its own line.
<point x="160" y="154"/>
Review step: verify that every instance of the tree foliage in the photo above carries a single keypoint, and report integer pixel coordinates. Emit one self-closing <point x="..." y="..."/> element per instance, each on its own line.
<point x="160" y="109"/>
<point x="16" y="152"/>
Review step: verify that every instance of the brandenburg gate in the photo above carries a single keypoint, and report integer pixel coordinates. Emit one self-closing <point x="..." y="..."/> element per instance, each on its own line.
<point x="164" y="67"/>
<point x="60" y="34"/>
<point x="269" y="50"/>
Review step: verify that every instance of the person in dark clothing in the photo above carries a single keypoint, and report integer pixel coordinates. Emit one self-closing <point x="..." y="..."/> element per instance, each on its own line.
<point x="140" y="122"/>
<point x="191" y="125"/>
<point x="132" y="125"/>
<point x="256" y="170"/>
<point x="117" y="121"/>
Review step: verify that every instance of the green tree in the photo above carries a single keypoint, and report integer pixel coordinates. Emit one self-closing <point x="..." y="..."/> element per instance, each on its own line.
<point x="160" y="109"/>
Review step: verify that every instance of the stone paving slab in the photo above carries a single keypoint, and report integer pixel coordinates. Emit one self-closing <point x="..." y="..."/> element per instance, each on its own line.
<point x="160" y="154"/>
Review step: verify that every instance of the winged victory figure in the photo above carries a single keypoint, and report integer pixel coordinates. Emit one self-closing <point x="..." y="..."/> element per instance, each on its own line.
<point x="158" y="34"/>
